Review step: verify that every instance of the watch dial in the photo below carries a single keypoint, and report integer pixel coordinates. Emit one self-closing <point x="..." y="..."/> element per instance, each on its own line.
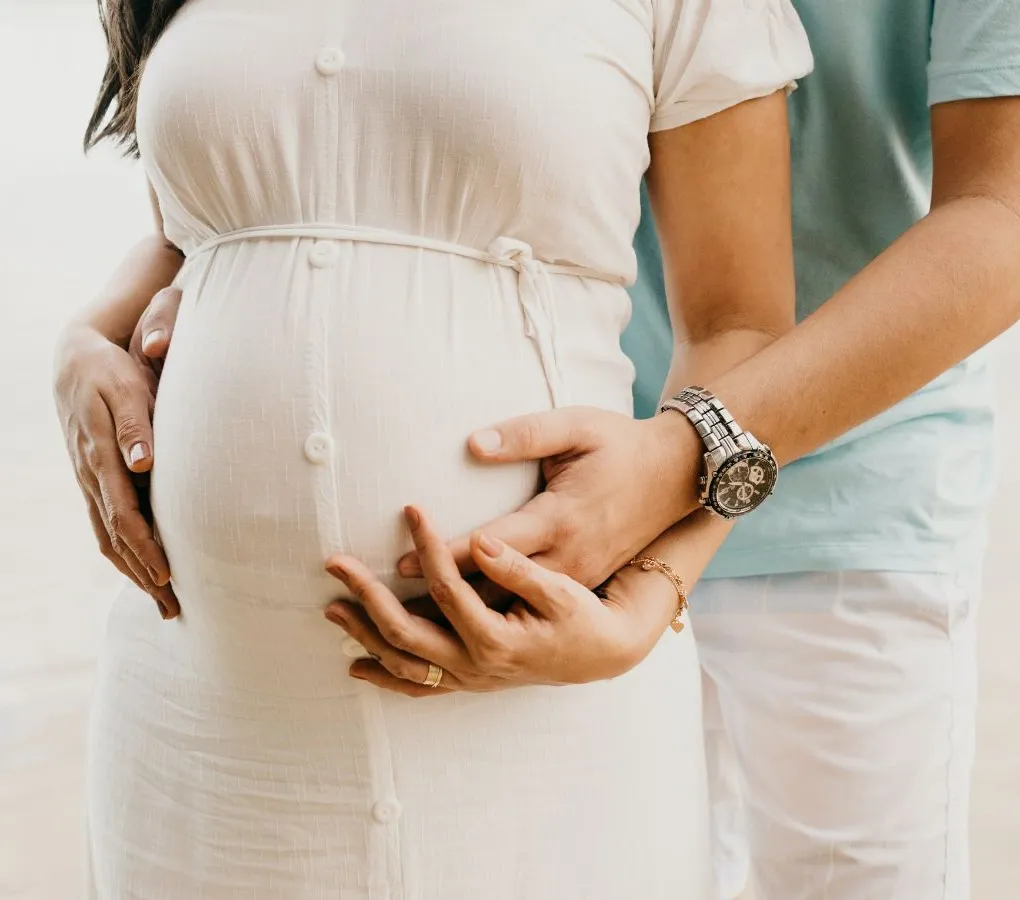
<point x="743" y="483"/>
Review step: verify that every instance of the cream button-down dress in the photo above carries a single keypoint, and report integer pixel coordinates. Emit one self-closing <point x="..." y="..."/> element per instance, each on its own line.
<point x="403" y="221"/>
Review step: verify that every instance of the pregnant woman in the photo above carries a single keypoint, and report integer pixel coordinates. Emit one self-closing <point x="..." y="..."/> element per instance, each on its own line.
<point x="403" y="221"/>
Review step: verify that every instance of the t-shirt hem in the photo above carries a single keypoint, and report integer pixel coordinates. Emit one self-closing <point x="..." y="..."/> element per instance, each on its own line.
<point x="940" y="557"/>
<point x="948" y="84"/>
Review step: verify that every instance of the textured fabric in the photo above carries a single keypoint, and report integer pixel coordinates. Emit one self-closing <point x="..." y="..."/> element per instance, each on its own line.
<point x="839" y="732"/>
<point x="908" y="490"/>
<point x="319" y="382"/>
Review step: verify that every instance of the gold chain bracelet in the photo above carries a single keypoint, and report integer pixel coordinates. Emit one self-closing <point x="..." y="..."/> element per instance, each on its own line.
<point x="651" y="563"/>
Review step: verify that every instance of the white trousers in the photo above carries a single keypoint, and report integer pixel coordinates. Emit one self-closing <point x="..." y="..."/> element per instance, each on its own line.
<point x="840" y="719"/>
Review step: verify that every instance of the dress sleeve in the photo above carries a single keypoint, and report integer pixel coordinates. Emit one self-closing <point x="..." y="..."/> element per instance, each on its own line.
<point x="709" y="55"/>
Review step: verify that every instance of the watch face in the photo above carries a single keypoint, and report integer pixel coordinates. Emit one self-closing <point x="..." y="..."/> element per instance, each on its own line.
<point x="743" y="482"/>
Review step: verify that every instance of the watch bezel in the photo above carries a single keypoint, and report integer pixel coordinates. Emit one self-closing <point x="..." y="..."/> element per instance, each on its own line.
<point x="762" y="455"/>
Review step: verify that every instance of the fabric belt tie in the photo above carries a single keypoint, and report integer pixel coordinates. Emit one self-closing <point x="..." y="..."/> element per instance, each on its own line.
<point x="534" y="284"/>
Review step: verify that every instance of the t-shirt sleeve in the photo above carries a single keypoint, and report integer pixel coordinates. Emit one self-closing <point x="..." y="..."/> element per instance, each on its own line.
<point x="975" y="50"/>
<point x="712" y="54"/>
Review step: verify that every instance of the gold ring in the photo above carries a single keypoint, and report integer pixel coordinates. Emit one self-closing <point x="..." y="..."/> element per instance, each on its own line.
<point x="435" y="676"/>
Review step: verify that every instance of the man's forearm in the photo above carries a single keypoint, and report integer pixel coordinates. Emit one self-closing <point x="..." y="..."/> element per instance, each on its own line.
<point x="945" y="289"/>
<point x="690" y="545"/>
<point x="149" y="266"/>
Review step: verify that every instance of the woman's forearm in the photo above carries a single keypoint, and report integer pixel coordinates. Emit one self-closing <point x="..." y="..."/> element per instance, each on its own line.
<point x="149" y="266"/>
<point x="945" y="289"/>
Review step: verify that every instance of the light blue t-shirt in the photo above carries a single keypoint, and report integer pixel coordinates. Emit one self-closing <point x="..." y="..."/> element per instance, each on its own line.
<point x="908" y="490"/>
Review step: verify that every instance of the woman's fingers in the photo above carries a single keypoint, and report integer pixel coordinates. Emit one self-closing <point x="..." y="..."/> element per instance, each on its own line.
<point x="373" y="672"/>
<point x="530" y="529"/>
<point x="548" y="593"/>
<point x="389" y="618"/>
<point x="359" y="626"/>
<point x="460" y="603"/>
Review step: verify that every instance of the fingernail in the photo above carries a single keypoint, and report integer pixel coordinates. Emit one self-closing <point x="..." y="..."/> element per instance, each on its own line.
<point x="138" y="452"/>
<point x="151" y="338"/>
<point x="337" y="614"/>
<point x="337" y="570"/>
<point x="354" y="674"/>
<point x="487" y="441"/>
<point x="413" y="516"/>
<point x="163" y="611"/>
<point x="409" y="567"/>
<point x="490" y="546"/>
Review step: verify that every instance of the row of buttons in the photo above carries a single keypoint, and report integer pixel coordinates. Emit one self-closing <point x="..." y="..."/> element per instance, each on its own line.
<point x="319" y="446"/>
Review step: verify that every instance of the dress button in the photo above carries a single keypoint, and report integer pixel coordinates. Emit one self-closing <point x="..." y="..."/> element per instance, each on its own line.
<point x="323" y="254"/>
<point x="353" y="649"/>
<point x="386" y="811"/>
<point x="329" y="61"/>
<point x="318" y="448"/>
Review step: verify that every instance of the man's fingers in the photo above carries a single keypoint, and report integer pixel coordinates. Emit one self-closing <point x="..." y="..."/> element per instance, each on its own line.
<point x="548" y="593"/>
<point x="535" y="436"/>
<point x="157" y="322"/>
<point x="529" y="530"/>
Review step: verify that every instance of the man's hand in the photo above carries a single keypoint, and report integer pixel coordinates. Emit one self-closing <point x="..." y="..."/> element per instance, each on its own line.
<point x="105" y="400"/>
<point x="613" y="484"/>
<point x="556" y="633"/>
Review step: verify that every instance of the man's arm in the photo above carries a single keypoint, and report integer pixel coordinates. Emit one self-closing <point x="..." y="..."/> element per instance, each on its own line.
<point x="613" y="484"/>
<point x="942" y="291"/>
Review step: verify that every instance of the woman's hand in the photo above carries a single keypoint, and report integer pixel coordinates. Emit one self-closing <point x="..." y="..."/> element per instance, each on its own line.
<point x="104" y="400"/>
<point x="557" y="633"/>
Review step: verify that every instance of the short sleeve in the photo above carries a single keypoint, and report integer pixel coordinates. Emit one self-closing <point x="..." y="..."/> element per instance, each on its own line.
<point x="713" y="54"/>
<point x="975" y="50"/>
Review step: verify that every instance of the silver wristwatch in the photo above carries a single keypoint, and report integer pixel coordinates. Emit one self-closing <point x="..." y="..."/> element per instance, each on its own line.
<point x="740" y="471"/>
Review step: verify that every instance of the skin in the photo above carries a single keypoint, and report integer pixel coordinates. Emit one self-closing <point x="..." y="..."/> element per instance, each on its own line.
<point x="723" y="216"/>
<point x="942" y="291"/>
<point x="946" y="288"/>
<point x="105" y="394"/>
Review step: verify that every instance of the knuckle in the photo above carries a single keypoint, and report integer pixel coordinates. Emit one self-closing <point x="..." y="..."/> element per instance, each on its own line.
<point x="518" y="569"/>
<point x="117" y="544"/>
<point x="402" y="669"/>
<point x="531" y="433"/>
<point x="493" y="657"/>
<point x="91" y="457"/>
<point x="442" y="591"/>
<point x="397" y="634"/>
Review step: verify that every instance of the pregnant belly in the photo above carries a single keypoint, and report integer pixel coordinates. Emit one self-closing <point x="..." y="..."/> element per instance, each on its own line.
<point x="297" y="417"/>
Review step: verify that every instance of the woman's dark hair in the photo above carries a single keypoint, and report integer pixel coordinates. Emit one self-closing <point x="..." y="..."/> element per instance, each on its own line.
<point x="132" y="28"/>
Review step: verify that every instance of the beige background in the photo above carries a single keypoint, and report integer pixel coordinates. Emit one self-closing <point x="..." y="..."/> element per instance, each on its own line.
<point x="64" y="222"/>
